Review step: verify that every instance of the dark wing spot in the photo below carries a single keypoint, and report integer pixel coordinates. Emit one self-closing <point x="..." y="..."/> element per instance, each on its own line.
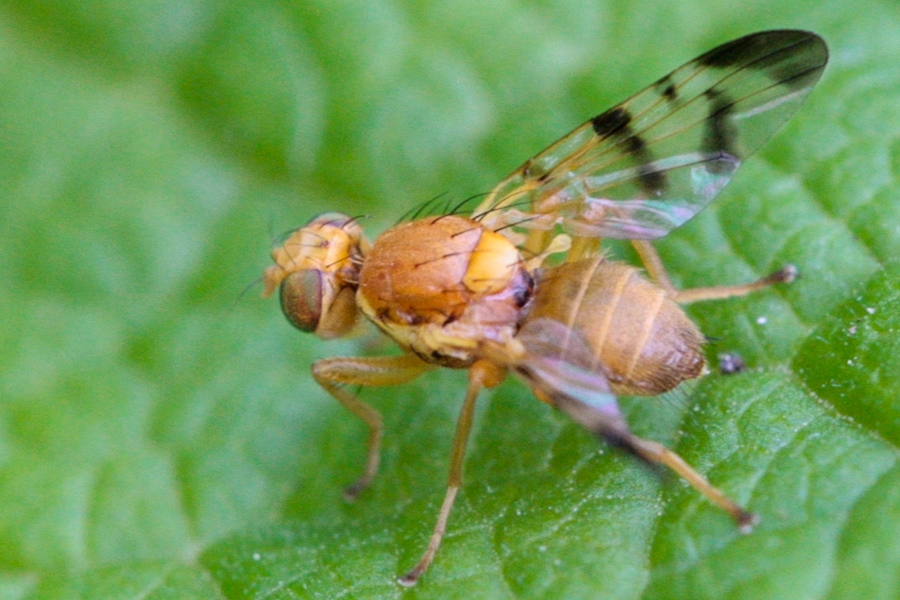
<point x="612" y="122"/>
<point x="670" y="93"/>
<point x="616" y="123"/>
<point x="667" y="89"/>
<point x="751" y="48"/>
<point x="652" y="180"/>
<point x="721" y="134"/>
<point x="796" y="66"/>
<point x="788" y="76"/>
<point x="635" y="144"/>
<point x="788" y="57"/>
<point x="733" y="53"/>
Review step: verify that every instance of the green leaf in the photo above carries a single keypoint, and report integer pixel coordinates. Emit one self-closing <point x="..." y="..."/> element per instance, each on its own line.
<point x="160" y="434"/>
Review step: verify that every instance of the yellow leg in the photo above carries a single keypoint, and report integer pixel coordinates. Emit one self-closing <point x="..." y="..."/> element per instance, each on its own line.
<point x="657" y="453"/>
<point x="657" y="271"/>
<point x="610" y="427"/>
<point x="333" y="373"/>
<point x="482" y="374"/>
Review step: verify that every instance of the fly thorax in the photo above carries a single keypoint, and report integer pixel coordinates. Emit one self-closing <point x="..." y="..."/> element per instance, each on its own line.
<point x="439" y="286"/>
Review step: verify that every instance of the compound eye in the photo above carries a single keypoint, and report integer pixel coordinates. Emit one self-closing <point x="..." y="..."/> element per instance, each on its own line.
<point x="301" y="299"/>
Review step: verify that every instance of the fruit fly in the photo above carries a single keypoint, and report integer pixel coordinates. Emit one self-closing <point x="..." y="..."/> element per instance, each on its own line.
<point x="484" y="292"/>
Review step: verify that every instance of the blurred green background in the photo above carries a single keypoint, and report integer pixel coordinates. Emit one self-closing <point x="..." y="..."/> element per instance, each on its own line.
<point x="160" y="435"/>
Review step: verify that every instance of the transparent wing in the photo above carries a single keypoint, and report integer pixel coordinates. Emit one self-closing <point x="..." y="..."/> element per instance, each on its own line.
<point x="645" y="167"/>
<point x="559" y="366"/>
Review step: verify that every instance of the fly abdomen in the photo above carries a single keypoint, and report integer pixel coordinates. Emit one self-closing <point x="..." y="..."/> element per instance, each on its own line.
<point x="641" y="340"/>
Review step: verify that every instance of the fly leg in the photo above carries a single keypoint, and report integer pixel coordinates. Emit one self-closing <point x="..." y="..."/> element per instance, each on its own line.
<point x="482" y="374"/>
<point x="657" y="453"/>
<point x="657" y="271"/>
<point x="334" y="373"/>
<point x="603" y="420"/>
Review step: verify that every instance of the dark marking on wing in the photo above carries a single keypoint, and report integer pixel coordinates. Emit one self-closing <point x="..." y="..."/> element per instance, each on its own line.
<point x="721" y="134"/>
<point x="634" y="144"/>
<point x="653" y="180"/>
<point x="782" y="67"/>
<point x="617" y="123"/>
<point x="751" y="48"/>
<point x="612" y="122"/>
<point x="666" y="87"/>
<point x="664" y="154"/>
<point x="774" y="52"/>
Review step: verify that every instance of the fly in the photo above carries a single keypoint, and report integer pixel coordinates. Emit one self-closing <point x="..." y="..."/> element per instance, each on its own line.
<point x="481" y="292"/>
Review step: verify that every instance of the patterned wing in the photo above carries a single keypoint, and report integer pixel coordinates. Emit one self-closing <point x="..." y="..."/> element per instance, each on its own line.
<point x="647" y="166"/>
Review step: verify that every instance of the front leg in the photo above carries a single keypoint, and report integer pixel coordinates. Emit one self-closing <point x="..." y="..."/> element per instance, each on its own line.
<point x="334" y="373"/>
